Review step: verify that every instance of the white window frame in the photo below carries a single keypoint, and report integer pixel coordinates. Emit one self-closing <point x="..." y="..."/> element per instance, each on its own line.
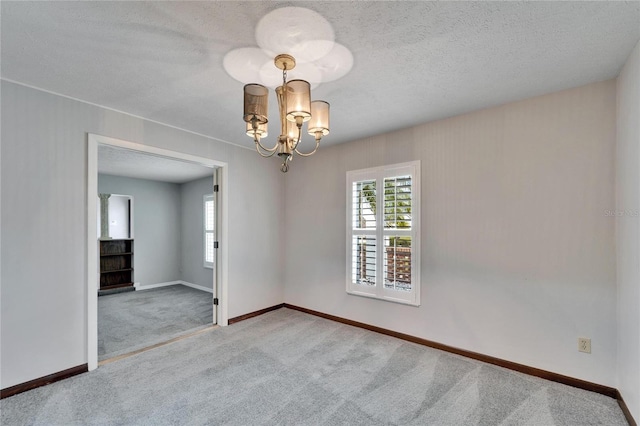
<point x="378" y="291"/>
<point x="208" y="198"/>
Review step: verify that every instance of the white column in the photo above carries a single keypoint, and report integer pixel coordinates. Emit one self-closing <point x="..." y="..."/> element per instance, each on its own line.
<point x="104" y="216"/>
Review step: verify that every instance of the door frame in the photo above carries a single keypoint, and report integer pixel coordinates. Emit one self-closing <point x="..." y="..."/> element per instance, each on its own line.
<point x="92" y="272"/>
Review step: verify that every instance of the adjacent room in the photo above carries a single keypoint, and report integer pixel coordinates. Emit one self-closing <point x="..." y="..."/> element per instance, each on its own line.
<point x="156" y="250"/>
<point x="422" y="213"/>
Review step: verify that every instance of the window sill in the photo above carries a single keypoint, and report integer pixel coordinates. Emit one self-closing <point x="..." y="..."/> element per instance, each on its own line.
<point x="386" y="299"/>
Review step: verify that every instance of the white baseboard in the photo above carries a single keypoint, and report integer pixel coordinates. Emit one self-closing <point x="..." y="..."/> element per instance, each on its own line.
<point x="150" y="286"/>
<point x="197" y="287"/>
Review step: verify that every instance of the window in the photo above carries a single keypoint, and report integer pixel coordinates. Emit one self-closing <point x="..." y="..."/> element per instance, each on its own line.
<point x="383" y="230"/>
<point x="209" y="230"/>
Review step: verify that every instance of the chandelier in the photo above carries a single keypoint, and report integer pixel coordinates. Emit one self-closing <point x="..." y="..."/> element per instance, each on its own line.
<point x="295" y="108"/>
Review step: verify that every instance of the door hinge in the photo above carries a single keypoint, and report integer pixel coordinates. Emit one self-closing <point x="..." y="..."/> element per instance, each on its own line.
<point x="215" y="301"/>
<point x="216" y="188"/>
<point x="215" y="244"/>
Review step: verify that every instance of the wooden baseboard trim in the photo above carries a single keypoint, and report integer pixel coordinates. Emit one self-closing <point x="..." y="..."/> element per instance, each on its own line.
<point x="46" y="380"/>
<point x="532" y="371"/>
<point x="255" y="314"/>
<point x="548" y="375"/>
<point x="625" y="409"/>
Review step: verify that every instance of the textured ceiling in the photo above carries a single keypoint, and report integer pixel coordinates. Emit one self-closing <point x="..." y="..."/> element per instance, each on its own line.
<point x="135" y="164"/>
<point x="413" y="62"/>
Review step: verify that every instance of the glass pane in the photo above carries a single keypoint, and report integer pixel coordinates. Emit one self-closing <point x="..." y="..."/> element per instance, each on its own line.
<point x="208" y="253"/>
<point x="364" y="204"/>
<point x="397" y="202"/>
<point x="208" y="211"/>
<point x="364" y="260"/>
<point x="397" y="263"/>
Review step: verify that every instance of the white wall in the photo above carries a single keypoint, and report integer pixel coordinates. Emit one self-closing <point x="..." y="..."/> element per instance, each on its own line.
<point x="192" y="227"/>
<point x="628" y="231"/>
<point x="156" y="225"/>
<point x="44" y="230"/>
<point x="517" y="256"/>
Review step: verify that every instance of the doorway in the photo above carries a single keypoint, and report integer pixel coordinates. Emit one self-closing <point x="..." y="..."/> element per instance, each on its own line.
<point x="150" y="285"/>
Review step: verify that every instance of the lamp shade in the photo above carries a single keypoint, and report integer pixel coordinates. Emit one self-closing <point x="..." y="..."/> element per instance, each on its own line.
<point x="261" y="131"/>
<point x="319" y="118"/>
<point x="298" y="93"/>
<point x="256" y="99"/>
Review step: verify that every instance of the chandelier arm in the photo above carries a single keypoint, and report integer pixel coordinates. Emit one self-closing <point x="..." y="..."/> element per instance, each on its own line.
<point x="265" y="155"/>
<point x="295" y="145"/>
<point x="268" y="153"/>
<point x="310" y="153"/>
<point x="258" y="144"/>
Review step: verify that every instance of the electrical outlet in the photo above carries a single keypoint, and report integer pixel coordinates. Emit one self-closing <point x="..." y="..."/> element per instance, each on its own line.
<point x="584" y="345"/>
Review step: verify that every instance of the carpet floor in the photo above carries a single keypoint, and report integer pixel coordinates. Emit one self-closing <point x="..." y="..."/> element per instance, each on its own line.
<point x="289" y="368"/>
<point x="138" y="319"/>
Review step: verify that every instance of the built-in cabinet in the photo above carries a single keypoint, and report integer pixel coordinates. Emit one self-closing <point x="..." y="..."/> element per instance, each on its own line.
<point x="116" y="263"/>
